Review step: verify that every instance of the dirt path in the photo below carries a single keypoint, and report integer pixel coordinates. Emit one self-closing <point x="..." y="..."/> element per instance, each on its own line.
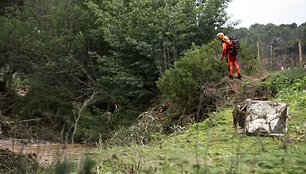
<point x="45" y="152"/>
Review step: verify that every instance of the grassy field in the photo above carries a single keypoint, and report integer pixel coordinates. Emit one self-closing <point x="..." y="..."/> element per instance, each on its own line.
<point x="213" y="146"/>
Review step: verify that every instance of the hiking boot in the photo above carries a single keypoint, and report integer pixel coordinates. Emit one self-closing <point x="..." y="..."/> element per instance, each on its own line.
<point x="231" y="77"/>
<point x="239" y="76"/>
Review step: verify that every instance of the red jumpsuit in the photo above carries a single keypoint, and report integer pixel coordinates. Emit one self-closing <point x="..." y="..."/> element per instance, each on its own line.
<point x="231" y="59"/>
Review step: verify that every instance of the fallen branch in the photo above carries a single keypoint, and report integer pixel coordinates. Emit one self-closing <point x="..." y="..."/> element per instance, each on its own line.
<point x="85" y="104"/>
<point x="24" y="121"/>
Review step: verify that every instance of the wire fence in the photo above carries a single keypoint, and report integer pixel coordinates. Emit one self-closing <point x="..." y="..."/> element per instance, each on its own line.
<point x="281" y="56"/>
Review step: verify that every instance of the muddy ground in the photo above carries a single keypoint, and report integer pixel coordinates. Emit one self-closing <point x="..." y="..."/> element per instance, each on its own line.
<point x="19" y="154"/>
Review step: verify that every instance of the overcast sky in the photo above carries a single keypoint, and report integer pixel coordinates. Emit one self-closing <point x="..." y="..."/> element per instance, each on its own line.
<point x="267" y="11"/>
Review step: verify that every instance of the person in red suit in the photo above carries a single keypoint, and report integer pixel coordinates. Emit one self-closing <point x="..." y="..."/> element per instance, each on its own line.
<point x="230" y="53"/>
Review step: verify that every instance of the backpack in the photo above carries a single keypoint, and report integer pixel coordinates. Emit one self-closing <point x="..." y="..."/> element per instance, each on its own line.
<point x="234" y="47"/>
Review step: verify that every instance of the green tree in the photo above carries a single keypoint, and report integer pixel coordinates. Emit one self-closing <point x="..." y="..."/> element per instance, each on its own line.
<point x="158" y="32"/>
<point x="46" y="43"/>
<point x="65" y="51"/>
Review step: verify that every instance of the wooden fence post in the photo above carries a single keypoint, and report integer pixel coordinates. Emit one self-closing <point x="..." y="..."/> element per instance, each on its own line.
<point x="271" y="56"/>
<point x="258" y="55"/>
<point x="300" y="53"/>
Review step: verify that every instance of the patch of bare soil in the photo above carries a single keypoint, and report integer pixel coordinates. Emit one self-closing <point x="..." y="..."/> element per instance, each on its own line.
<point x="44" y="152"/>
<point x="237" y="90"/>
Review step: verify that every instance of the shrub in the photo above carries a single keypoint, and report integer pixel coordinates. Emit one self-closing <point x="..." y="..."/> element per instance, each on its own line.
<point x="294" y="78"/>
<point x="200" y="65"/>
<point x="247" y="60"/>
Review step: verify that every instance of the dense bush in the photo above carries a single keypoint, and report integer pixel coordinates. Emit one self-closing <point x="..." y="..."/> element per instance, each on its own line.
<point x="247" y="59"/>
<point x="290" y="78"/>
<point x="200" y="65"/>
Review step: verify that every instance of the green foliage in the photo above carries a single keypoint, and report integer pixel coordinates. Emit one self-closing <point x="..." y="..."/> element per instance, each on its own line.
<point x="213" y="146"/>
<point x="61" y="59"/>
<point x="117" y="83"/>
<point x="247" y="60"/>
<point x="62" y="51"/>
<point x="209" y="147"/>
<point x="292" y="89"/>
<point x="25" y="164"/>
<point x="200" y="65"/>
<point x="291" y="79"/>
<point x="140" y="133"/>
<point x="289" y="86"/>
<point x="87" y="165"/>
<point x="170" y="28"/>
<point x="94" y="126"/>
<point x="62" y="167"/>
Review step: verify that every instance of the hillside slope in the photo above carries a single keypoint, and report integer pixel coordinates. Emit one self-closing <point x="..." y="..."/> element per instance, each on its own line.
<point x="209" y="146"/>
<point x="212" y="146"/>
